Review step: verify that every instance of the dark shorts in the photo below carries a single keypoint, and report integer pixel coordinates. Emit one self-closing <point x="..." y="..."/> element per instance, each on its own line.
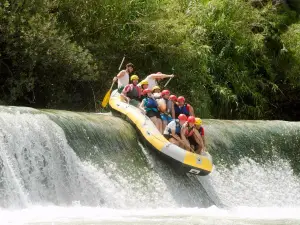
<point x="134" y="102"/>
<point x="192" y="141"/>
<point x="153" y="113"/>
<point x="167" y="136"/>
<point x="120" y="89"/>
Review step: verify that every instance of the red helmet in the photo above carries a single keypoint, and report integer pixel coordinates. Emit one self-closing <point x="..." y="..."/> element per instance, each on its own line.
<point x="182" y="117"/>
<point x="173" y="97"/>
<point x="147" y="90"/>
<point x="191" y="119"/>
<point x="181" y="99"/>
<point x="165" y="92"/>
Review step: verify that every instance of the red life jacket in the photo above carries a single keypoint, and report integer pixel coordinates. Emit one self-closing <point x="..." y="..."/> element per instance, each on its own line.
<point x="190" y="131"/>
<point x="134" y="92"/>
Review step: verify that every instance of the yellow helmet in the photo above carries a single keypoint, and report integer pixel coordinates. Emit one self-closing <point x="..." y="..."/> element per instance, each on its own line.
<point x="198" y="121"/>
<point x="134" y="77"/>
<point x="144" y="82"/>
<point x="155" y="88"/>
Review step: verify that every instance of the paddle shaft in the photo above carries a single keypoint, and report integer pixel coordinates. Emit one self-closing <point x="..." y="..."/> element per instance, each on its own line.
<point x="107" y="95"/>
<point x="112" y="85"/>
<point x="168" y="81"/>
<point x="122" y="62"/>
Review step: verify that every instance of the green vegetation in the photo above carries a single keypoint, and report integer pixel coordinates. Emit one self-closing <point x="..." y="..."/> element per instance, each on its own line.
<point x="234" y="59"/>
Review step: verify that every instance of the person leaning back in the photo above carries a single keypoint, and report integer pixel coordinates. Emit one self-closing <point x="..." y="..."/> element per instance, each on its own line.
<point x="153" y="78"/>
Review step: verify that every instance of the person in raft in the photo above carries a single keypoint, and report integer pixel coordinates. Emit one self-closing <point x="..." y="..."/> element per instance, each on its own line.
<point x="172" y="132"/>
<point x="149" y="107"/>
<point x="123" y="77"/>
<point x="200" y="128"/>
<point x="132" y="93"/>
<point x="153" y="78"/>
<point x="144" y="85"/>
<point x="191" y="137"/>
<point x="156" y="92"/>
<point x="173" y="98"/>
<point x="165" y="106"/>
<point x="182" y="108"/>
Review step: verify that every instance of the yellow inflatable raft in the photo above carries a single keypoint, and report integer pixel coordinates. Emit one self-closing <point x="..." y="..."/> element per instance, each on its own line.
<point x="183" y="160"/>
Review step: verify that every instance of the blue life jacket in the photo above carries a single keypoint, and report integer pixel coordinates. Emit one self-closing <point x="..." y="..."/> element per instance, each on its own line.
<point x="181" y="110"/>
<point x="177" y="129"/>
<point x="150" y="104"/>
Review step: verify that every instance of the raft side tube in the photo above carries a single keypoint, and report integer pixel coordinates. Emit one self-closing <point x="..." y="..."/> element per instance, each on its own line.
<point x="181" y="159"/>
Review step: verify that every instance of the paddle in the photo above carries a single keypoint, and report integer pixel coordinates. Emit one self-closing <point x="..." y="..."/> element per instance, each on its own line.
<point x="168" y="81"/>
<point x="107" y="96"/>
<point x="108" y="93"/>
<point x="169" y="78"/>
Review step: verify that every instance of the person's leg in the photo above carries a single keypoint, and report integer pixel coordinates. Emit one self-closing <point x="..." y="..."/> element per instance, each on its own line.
<point x="196" y="144"/>
<point x="164" y="124"/>
<point x="134" y="102"/>
<point x="159" y="123"/>
<point x="164" y="120"/>
<point x="174" y="141"/>
<point x="153" y="119"/>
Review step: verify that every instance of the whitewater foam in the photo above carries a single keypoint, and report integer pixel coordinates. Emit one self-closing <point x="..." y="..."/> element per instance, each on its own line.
<point x="90" y="215"/>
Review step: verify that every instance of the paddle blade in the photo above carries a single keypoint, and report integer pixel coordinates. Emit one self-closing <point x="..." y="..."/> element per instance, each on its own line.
<point x="106" y="99"/>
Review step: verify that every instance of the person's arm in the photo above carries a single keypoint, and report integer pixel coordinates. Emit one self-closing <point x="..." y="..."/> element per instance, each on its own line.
<point x="161" y="76"/>
<point x="185" y="141"/>
<point x="124" y="93"/>
<point x="203" y="138"/>
<point x="142" y="106"/>
<point x="198" y="139"/>
<point x="120" y="75"/>
<point x="176" y="136"/>
<point x="173" y="111"/>
<point x="169" y="111"/>
<point x="191" y="110"/>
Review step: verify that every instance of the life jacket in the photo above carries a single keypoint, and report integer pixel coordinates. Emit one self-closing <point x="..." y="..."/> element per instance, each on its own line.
<point x="162" y="105"/>
<point x="134" y="92"/>
<point x="190" y="131"/>
<point x="185" y="109"/>
<point x="201" y="131"/>
<point x="150" y="104"/>
<point x="177" y="129"/>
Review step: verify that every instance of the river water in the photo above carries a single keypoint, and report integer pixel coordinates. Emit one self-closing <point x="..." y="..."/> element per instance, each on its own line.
<point x="59" y="167"/>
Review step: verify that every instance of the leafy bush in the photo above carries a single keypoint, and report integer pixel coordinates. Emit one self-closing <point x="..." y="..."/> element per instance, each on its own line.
<point x="232" y="58"/>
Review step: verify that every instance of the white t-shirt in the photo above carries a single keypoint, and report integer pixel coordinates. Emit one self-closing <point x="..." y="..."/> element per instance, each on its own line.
<point x="170" y="126"/>
<point x="123" y="81"/>
<point x="151" y="82"/>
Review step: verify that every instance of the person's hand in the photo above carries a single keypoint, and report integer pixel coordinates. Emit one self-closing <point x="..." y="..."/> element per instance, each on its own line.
<point x="128" y="99"/>
<point x="143" y="111"/>
<point x="192" y="149"/>
<point x="115" y="79"/>
<point x="188" y="147"/>
<point x="172" y="75"/>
